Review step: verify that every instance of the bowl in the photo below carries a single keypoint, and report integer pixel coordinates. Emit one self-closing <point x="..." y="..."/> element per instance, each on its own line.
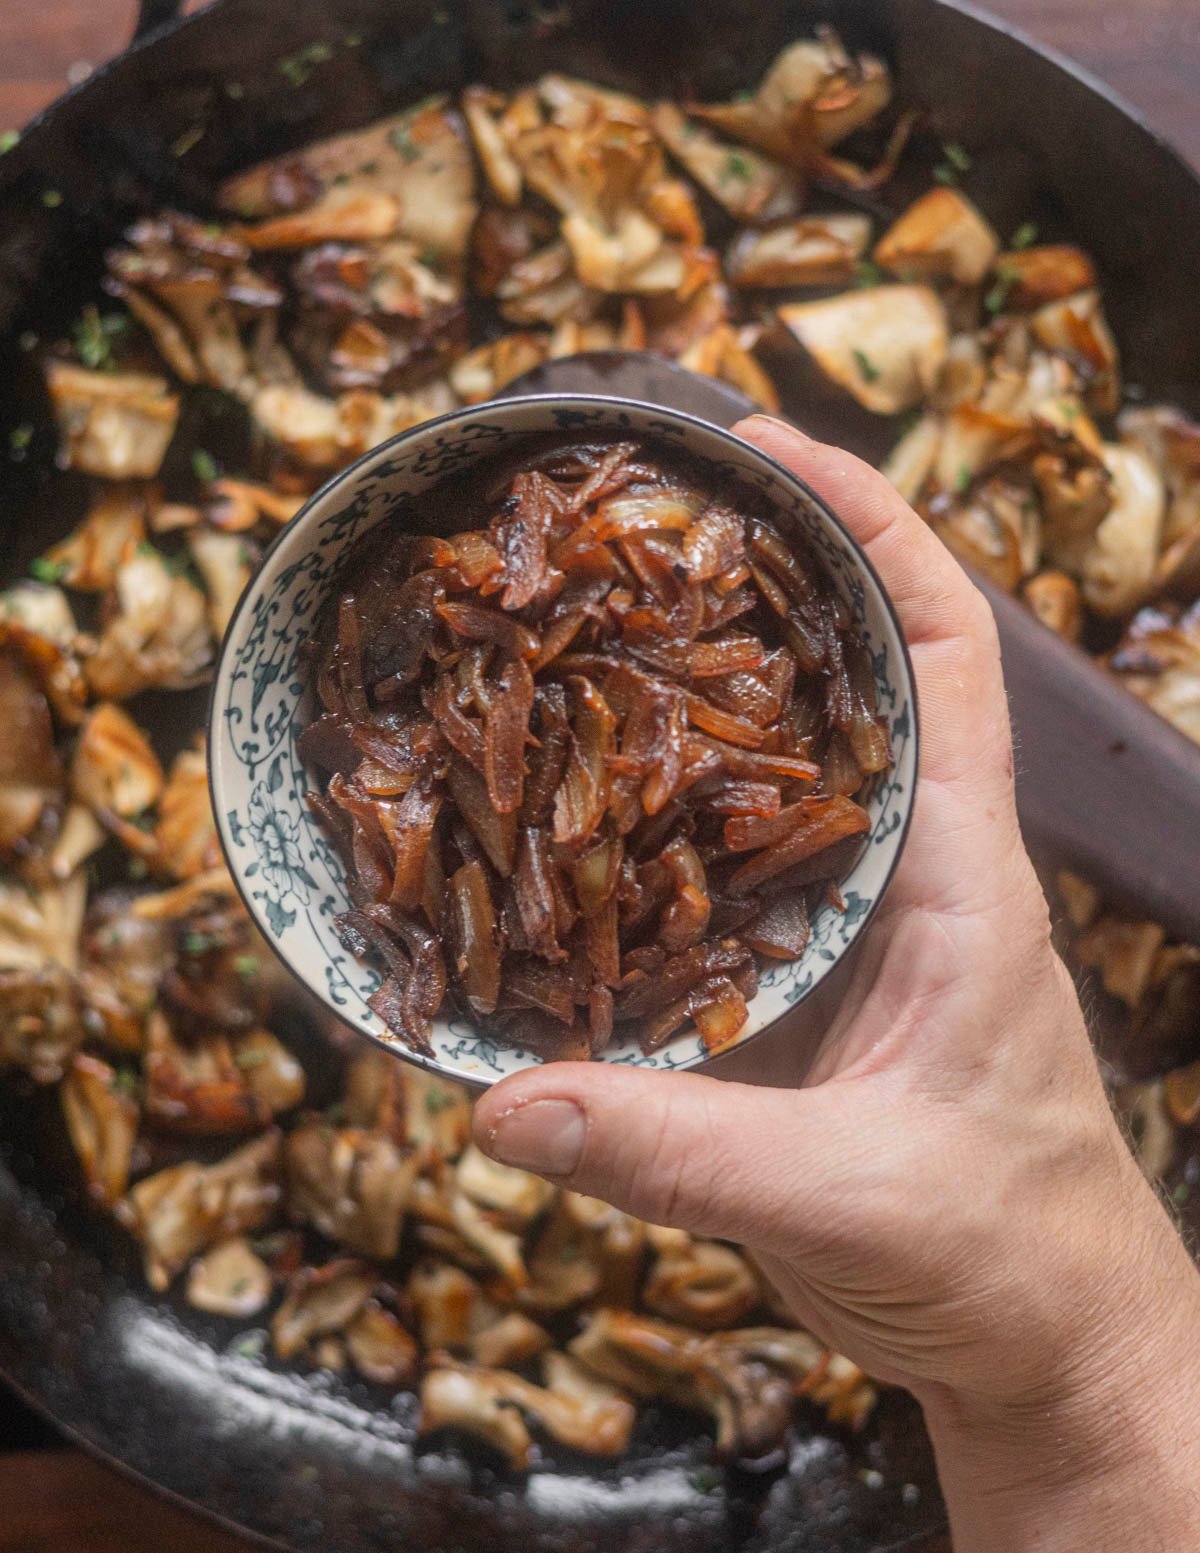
<point x="289" y="876"/>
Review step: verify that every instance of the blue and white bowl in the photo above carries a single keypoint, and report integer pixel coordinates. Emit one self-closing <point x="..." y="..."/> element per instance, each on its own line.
<point x="289" y="875"/>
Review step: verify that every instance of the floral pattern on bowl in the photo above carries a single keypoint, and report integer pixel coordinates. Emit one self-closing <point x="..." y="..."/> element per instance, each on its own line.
<point x="289" y="875"/>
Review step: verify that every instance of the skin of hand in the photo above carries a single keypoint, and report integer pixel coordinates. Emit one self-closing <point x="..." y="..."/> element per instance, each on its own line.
<point x="948" y="1199"/>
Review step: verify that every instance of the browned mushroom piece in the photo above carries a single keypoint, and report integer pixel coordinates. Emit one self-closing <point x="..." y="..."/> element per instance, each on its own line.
<point x="353" y="1186"/>
<point x="230" y="1280"/>
<point x="320" y="1302"/>
<point x="1159" y="659"/>
<point x="114" y="424"/>
<point x="102" y="1122"/>
<point x="380" y="1346"/>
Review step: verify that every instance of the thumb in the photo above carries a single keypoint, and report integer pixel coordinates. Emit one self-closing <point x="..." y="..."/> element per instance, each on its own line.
<point x="694" y="1153"/>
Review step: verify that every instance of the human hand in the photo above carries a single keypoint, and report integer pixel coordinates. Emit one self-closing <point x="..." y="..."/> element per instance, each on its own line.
<point x="948" y="1200"/>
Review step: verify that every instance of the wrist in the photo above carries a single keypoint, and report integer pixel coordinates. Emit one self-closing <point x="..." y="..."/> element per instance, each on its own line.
<point x="1103" y="1452"/>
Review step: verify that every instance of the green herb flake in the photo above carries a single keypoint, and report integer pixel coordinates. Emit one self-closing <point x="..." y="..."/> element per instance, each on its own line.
<point x="136" y="868"/>
<point x="251" y="1057"/>
<point x="437" y="1101"/>
<point x="239" y="1286"/>
<point x="235" y="91"/>
<point x="739" y="166"/>
<point x="8" y="139"/>
<point x="205" y="467"/>
<point x="963" y="479"/>
<point x="184" y="143"/>
<point x="353" y="40"/>
<point x="250" y="1346"/>
<point x="198" y="943"/>
<point x="869" y="371"/>
<point x="1025" y="236"/>
<point x="52" y="198"/>
<point x="441" y="16"/>
<point x="706" y="1480"/>
<point x="93" y="334"/>
<point x="957" y="157"/>
<point x="997" y="298"/>
<point x="43" y="570"/>
<point x="125" y="1081"/>
<point x="247" y="965"/>
<point x="745" y="95"/>
<point x="335" y="1115"/>
<point x="868" y="274"/>
<point x="943" y="173"/>
<point x="19" y="439"/>
<point x="401" y="138"/>
<point x="28" y="341"/>
<point x="1181" y="1194"/>
<point x="296" y="68"/>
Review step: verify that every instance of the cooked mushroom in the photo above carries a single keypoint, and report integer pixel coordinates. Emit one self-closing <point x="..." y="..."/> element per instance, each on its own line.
<point x="419" y="158"/>
<point x="185" y="837"/>
<point x="1056" y="601"/>
<point x="41" y="927"/>
<point x="224" y="564"/>
<point x="467" y="1400"/>
<point x="437" y="1113"/>
<point x="158" y="633"/>
<point x="704" y="1285"/>
<point x="115" y="424"/>
<point x="1159" y="659"/>
<point x="106" y="538"/>
<point x="885" y="345"/>
<point x="722" y="355"/>
<point x="1033" y="277"/>
<point x="912" y="460"/>
<point x="1151" y="1131"/>
<point x="1077" y="327"/>
<point x="230" y="1280"/>
<point x="1172" y="442"/>
<point x="544" y="289"/>
<point x="79" y="835"/>
<point x="31" y="769"/>
<point x="451" y="1307"/>
<point x="352" y="1186"/>
<point x="482" y="110"/>
<point x="1124" y="953"/>
<point x="751" y="187"/>
<point x="215" y="1085"/>
<point x="515" y="1195"/>
<point x="512" y="1339"/>
<point x="503" y="1249"/>
<point x="481" y="373"/>
<point x="996" y="530"/>
<point x="380" y="1347"/>
<point x="1119" y="564"/>
<point x="37" y="627"/>
<point x="320" y="1302"/>
<point x="564" y="1266"/>
<point x="813" y="251"/>
<point x="942" y="236"/>
<point x="115" y="771"/>
<point x="237" y="505"/>
<point x="321" y="435"/>
<point x="187" y="1207"/>
<point x="125" y="957"/>
<point x="102" y="1122"/>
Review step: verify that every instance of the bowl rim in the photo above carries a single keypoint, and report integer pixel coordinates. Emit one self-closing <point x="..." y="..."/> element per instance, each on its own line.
<point x="344" y="477"/>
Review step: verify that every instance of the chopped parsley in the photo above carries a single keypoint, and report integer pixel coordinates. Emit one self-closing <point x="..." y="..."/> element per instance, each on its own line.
<point x="251" y="1057"/>
<point x="235" y="91"/>
<point x="437" y="1101"/>
<point x="204" y="466"/>
<point x="126" y="1082"/>
<point x="997" y="298"/>
<point x="869" y="371"/>
<point x="353" y="40"/>
<point x="199" y="943"/>
<point x="957" y="157"/>
<point x="247" y="965"/>
<point x="136" y="868"/>
<point x="296" y="68"/>
<point x="1025" y="236"/>
<point x="868" y="274"/>
<point x="963" y="479"/>
<point x="19" y="439"/>
<point x="250" y="1346"/>
<point x="8" y="139"/>
<point x="706" y="1480"/>
<point x="44" y="570"/>
<point x="737" y="165"/>
<point x="184" y="143"/>
<point x="401" y="138"/>
<point x="28" y="341"/>
<point x="93" y="334"/>
<point x="1181" y="1194"/>
<point x="335" y="1115"/>
<point x="146" y="550"/>
<point x="239" y="1286"/>
<point x="52" y="198"/>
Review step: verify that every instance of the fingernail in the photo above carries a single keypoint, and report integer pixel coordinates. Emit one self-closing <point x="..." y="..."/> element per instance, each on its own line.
<point x="545" y="1136"/>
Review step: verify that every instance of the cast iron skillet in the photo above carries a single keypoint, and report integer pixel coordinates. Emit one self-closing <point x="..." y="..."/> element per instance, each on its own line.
<point x="185" y="1402"/>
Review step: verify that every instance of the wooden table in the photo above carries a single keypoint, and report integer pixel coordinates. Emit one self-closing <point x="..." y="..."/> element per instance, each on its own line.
<point x="1148" y="49"/>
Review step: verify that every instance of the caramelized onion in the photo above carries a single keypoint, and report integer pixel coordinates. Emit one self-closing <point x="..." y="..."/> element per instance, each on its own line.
<point x="586" y="761"/>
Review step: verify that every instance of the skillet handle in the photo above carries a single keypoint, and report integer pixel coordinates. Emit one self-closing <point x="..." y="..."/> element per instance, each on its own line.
<point x="153" y="14"/>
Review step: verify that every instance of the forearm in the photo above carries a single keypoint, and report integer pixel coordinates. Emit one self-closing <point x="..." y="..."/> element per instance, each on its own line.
<point x="1107" y="1458"/>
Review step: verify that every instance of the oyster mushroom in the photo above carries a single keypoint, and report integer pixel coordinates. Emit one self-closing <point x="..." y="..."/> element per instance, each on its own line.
<point x="420" y="158"/>
<point x="942" y="237"/>
<point x="543" y="288"/>
<point x="321" y="435"/>
<point x="703" y="1285"/>
<point x="37" y="627"/>
<point x="114" y="424"/>
<point x="512" y="1339"/>
<point x="215" y="1085"/>
<point x="102" y="1123"/>
<point x="230" y="1280"/>
<point x="722" y="355"/>
<point x="812" y="251"/>
<point x="911" y="462"/>
<point x="115" y="771"/>
<point x="31" y="770"/>
<point x="885" y="346"/>
<point x="748" y="185"/>
<point x="224" y="564"/>
<point x="483" y="111"/>
<point x="451" y="1307"/>
<point x="1077" y="328"/>
<point x="1172" y="442"/>
<point x="125" y="958"/>
<point x="185" y="837"/>
<point x="380" y="1347"/>
<point x="181" y="1210"/>
<point x="467" y="1400"/>
<point x="157" y="635"/>
<point x="1119" y="564"/>
<point x="997" y="530"/>
<point x="106" y="538"/>
<point x="352" y="1186"/>
<point x="1159" y="659"/>
<point x="1056" y="600"/>
<point x="1034" y="277"/>
<point x="515" y="1195"/>
<point x="1124" y="953"/>
<point x="320" y="1302"/>
<point x="437" y="1112"/>
<point x="233" y="506"/>
<point x="481" y="373"/>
